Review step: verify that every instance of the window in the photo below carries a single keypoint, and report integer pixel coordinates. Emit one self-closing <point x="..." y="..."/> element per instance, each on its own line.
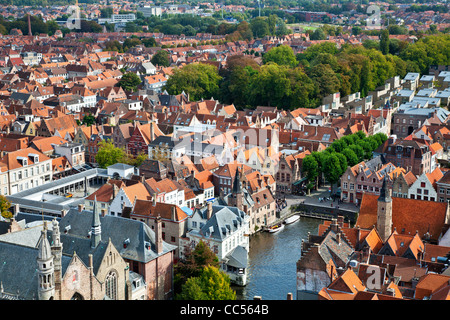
<point x="111" y="285"/>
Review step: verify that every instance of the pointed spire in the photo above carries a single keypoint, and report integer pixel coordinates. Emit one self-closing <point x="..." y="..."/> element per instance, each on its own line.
<point x="385" y="194"/>
<point x="44" y="250"/>
<point x="237" y="182"/>
<point x="96" y="231"/>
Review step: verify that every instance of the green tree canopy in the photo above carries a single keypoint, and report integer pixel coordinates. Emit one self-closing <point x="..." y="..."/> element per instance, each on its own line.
<point x="129" y="81"/>
<point x="281" y="55"/>
<point x="161" y="58"/>
<point x="193" y="263"/>
<point x="211" y="284"/>
<point x="108" y="154"/>
<point x="197" y="79"/>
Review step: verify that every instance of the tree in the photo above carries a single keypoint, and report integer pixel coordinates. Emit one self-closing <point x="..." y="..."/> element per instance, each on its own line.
<point x="199" y="80"/>
<point x="211" y="284"/>
<point x="260" y="27"/>
<point x="333" y="169"/>
<point x="161" y="58"/>
<point x="149" y="42"/>
<point x="311" y="168"/>
<point x="384" y="41"/>
<point x="108" y="154"/>
<point x="325" y="79"/>
<point x="282" y="55"/>
<point x="5" y="204"/>
<point x="129" y="81"/>
<point x="318" y="34"/>
<point x="352" y="158"/>
<point x="88" y="120"/>
<point x="193" y="263"/>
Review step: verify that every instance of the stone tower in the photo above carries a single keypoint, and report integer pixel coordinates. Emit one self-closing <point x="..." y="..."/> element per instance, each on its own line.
<point x="45" y="271"/>
<point x="236" y="193"/>
<point x="384" y="212"/>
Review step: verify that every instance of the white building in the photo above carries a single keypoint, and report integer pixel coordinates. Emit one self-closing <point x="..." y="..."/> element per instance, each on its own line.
<point x="149" y="11"/>
<point x="118" y="19"/>
<point x="74" y="153"/>
<point x="126" y="196"/>
<point x="122" y="170"/>
<point x="423" y="188"/>
<point x="225" y="230"/>
<point x="27" y="168"/>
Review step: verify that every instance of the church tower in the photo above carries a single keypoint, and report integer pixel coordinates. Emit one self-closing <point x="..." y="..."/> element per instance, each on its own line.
<point x="45" y="271"/>
<point x="236" y="193"/>
<point x="384" y="212"/>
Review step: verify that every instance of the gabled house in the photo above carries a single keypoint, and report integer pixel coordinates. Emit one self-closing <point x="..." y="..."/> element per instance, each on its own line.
<point x="223" y="229"/>
<point x="173" y="220"/>
<point x="424" y="188"/>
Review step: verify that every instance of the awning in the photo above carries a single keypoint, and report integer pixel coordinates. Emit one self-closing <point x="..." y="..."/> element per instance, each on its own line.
<point x="296" y="183"/>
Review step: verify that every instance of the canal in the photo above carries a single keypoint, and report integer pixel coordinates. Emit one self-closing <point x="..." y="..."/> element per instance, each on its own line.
<point x="272" y="261"/>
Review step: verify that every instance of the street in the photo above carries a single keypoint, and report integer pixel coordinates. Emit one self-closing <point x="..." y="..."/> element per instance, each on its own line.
<point x="313" y="199"/>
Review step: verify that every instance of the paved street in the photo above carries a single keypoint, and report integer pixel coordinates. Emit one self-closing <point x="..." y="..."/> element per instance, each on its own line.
<point x="313" y="199"/>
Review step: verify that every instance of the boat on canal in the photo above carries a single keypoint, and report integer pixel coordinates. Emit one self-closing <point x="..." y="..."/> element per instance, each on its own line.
<point x="276" y="228"/>
<point x="292" y="219"/>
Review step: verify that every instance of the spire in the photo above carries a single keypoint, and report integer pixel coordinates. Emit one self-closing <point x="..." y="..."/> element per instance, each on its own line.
<point x="385" y="194"/>
<point x="44" y="250"/>
<point x="237" y="182"/>
<point x="46" y="286"/>
<point x="96" y="231"/>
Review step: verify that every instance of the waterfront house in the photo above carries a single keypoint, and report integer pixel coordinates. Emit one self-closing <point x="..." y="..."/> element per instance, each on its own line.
<point x="225" y="230"/>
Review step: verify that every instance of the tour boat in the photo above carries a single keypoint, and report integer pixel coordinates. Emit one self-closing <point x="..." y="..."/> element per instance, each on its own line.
<point x="276" y="228"/>
<point x="292" y="219"/>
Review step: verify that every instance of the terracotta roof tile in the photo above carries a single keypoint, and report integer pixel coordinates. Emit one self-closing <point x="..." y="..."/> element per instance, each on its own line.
<point x="408" y="215"/>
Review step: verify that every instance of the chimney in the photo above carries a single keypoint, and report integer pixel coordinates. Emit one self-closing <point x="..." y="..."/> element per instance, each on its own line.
<point x="209" y="210"/>
<point x="104" y="212"/>
<point x="158" y="235"/>
<point x="80" y="207"/>
<point x="338" y="238"/>
<point x="340" y="221"/>
<point x="174" y="213"/>
<point x="29" y="26"/>
<point x="334" y="225"/>
<point x="154" y="199"/>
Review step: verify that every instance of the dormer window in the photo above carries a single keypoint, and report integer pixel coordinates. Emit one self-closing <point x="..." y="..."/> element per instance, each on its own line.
<point x="34" y="157"/>
<point x="23" y="161"/>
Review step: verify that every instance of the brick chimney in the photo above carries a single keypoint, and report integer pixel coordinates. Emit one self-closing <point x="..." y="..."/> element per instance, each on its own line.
<point x="209" y="210"/>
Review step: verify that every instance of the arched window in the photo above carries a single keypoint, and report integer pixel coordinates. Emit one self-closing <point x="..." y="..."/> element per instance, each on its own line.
<point x="77" y="296"/>
<point x="111" y="285"/>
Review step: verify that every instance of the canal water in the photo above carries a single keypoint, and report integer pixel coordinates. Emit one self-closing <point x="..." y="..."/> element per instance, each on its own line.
<point x="272" y="261"/>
